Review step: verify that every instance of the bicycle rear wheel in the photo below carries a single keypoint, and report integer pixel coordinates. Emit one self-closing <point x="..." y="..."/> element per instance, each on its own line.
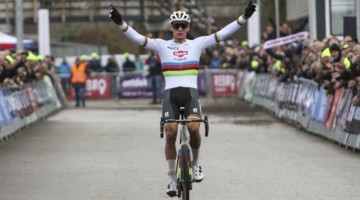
<point x="186" y="184"/>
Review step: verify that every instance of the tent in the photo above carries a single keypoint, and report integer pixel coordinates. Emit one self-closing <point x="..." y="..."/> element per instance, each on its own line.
<point x="9" y="42"/>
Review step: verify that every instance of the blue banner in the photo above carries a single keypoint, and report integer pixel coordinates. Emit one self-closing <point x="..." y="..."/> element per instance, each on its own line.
<point x="319" y="107"/>
<point x="5" y="118"/>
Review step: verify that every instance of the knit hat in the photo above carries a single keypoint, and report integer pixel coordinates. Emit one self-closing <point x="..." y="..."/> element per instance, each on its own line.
<point x="84" y="57"/>
<point x="326" y="53"/>
<point x="347" y="63"/>
<point x="9" y="59"/>
<point x="244" y="43"/>
<point x="254" y="64"/>
<point x="335" y="47"/>
<point x="94" y="55"/>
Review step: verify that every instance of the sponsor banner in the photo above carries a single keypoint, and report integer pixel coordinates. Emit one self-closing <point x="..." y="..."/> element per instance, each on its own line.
<point x="41" y="93"/>
<point x="330" y="99"/>
<point x="354" y="120"/>
<point x="134" y="87"/>
<point x="5" y="117"/>
<point x="286" y="40"/>
<point x="13" y="102"/>
<point x="96" y="88"/>
<point x="224" y="83"/>
<point x="262" y="85"/>
<point x="202" y="84"/>
<point x="350" y="117"/>
<point x="32" y="98"/>
<point x="273" y="85"/>
<point x="309" y="97"/>
<point x="280" y="93"/>
<point x="331" y="120"/>
<point x="320" y="105"/>
<point x="249" y="82"/>
<point x="343" y="110"/>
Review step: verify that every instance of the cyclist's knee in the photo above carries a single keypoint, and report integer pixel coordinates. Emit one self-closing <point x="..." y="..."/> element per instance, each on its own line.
<point x="193" y="128"/>
<point x="170" y="131"/>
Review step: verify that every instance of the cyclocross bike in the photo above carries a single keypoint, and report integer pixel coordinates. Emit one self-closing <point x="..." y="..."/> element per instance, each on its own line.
<point x="184" y="172"/>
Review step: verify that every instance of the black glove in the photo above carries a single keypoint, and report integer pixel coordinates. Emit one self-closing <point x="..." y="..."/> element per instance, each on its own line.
<point x="249" y="10"/>
<point x="115" y="15"/>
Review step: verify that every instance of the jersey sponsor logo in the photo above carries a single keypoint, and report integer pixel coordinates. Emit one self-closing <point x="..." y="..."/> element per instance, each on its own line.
<point x="186" y="46"/>
<point x="180" y="53"/>
<point x="180" y="59"/>
<point x="173" y="48"/>
<point x="166" y="114"/>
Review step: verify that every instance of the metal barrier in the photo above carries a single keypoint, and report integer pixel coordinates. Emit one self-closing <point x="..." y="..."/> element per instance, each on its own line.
<point x="21" y="107"/>
<point x="303" y="103"/>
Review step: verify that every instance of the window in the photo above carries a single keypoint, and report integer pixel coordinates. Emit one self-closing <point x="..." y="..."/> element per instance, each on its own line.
<point x="338" y="10"/>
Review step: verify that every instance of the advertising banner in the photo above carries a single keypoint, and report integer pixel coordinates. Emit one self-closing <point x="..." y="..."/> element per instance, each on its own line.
<point x="5" y="117"/>
<point x="134" y="87"/>
<point x="96" y="88"/>
<point x="224" y="83"/>
<point x="309" y="98"/>
<point x="32" y="98"/>
<point x="320" y="105"/>
<point x="286" y="40"/>
<point x="273" y="85"/>
<point x="202" y="84"/>
<point x="355" y="122"/>
<point x="343" y="110"/>
<point x="331" y="120"/>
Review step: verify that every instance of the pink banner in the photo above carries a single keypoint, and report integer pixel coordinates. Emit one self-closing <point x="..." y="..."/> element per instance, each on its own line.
<point x="96" y="88"/>
<point x="224" y="83"/>
<point x="286" y="40"/>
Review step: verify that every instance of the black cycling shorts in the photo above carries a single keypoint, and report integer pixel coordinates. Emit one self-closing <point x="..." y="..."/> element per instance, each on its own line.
<point x="175" y="98"/>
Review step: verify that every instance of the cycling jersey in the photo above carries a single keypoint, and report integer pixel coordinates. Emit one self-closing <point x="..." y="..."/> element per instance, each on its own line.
<point x="180" y="61"/>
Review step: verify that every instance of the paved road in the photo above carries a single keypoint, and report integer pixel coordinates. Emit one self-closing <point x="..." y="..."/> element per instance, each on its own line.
<point x="116" y="153"/>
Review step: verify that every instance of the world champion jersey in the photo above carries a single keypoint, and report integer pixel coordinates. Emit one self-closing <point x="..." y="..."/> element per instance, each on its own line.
<point x="180" y="61"/>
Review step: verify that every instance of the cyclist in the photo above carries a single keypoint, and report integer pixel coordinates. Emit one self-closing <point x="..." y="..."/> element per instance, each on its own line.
<point x="180" y="65"/>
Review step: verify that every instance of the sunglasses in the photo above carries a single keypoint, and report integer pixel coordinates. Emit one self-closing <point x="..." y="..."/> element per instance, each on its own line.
<point x="178" y="25"/>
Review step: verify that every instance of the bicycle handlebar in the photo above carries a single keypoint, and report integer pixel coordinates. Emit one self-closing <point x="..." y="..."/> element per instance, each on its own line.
<point x="183" y="121"/>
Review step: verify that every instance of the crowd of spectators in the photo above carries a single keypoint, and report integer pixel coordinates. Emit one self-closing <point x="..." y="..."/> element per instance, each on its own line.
<point x="332" y="63"/>
<point x="18" y="68"/>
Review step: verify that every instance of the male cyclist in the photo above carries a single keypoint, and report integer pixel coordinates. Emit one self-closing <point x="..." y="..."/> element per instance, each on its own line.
<point x="180" y="65"/>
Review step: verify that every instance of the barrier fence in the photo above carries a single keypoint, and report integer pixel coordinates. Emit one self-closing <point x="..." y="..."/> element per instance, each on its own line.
<point x="301" y="101"/>
<point x="305" y="103"/>
<point x="20" y="107"/>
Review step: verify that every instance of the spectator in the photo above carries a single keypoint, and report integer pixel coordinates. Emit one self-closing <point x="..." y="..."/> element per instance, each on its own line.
<point x="229" y="60"/>
<point x="50" y="61"/>
<point x="215" y="62"/>
<point x="269" y="34"/>
<point x="155" y="75"/>
<point x="128" y="65"/>
<point x="204" y="59"/>
<point x="139" y="65"/>
<point x="335" y="52"/>
<point x="65" y="73"/>
<point x="2" y="73"/>
<point x="94" y="63"/>
<point x="111" y="66"/>
<point x="79" y="73"/>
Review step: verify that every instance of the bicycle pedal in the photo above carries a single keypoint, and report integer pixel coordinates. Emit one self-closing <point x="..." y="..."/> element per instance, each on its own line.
<point x="172" y="194"/>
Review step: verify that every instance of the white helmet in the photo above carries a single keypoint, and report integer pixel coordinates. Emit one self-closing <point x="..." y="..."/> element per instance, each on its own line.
<point x="179" y="16"/>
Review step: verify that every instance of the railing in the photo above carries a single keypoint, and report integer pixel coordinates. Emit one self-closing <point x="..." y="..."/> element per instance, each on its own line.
<point x="20" y="107"/>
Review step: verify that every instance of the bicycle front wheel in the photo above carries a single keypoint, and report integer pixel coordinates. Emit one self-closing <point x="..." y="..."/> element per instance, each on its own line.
<point x="185" y="173"/>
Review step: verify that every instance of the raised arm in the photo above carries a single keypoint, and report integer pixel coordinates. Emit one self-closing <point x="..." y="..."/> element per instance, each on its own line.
<point x="130" y="32"/>
<point x="228" y="30"/>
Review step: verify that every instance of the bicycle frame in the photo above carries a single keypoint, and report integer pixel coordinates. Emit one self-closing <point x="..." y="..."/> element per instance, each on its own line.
<point x="186" y="180"/>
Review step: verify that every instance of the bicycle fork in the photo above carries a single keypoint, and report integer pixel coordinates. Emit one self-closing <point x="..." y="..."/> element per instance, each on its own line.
<point x="181" y="161"/>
